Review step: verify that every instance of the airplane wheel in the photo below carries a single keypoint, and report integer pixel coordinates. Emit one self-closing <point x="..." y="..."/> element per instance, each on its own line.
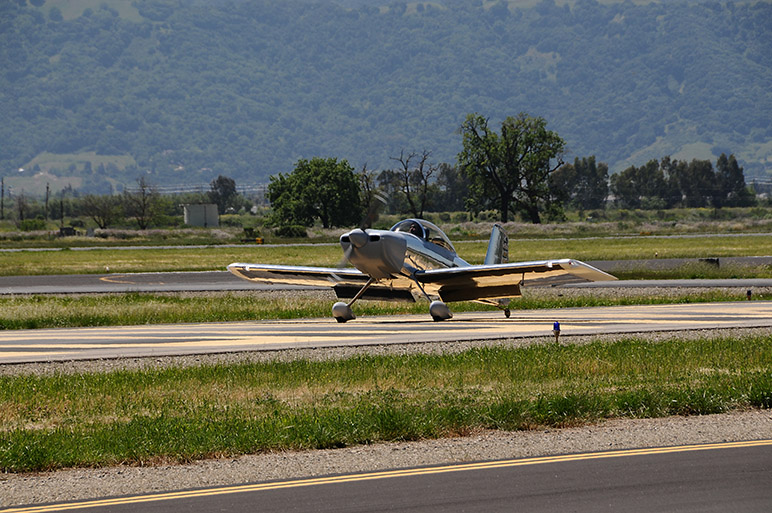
<point x="342" y="312"/>
<point x="439" y="311"/>
<point x="507" y="313"/>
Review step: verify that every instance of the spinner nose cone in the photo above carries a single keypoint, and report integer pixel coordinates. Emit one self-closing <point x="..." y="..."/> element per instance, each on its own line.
<point x="358" y="238"/>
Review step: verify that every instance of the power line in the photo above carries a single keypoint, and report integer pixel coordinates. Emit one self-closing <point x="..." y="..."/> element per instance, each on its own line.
<point x="260" y="188"/>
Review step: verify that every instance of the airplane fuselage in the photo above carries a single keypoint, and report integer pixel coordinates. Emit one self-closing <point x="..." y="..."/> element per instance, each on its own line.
<point x="411" y="245"/>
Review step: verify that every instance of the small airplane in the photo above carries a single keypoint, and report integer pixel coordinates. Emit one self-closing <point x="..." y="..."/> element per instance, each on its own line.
<point x="415" y="259"/>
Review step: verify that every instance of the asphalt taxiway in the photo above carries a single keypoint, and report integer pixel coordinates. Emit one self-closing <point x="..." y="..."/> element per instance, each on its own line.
<point x="21" y="346"/>
<point x="223" y="281"/>
<point x="716" y="477"/>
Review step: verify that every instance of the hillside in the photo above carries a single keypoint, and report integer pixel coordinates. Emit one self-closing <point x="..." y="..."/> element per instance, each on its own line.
<point x="185" y="90"/>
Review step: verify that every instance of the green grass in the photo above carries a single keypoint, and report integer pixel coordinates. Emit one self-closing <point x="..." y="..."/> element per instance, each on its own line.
<point x="51" y="311"/>
<point x="43" y="311"/>
<point x="694" y="270"/>
<point x="183" y="414"/>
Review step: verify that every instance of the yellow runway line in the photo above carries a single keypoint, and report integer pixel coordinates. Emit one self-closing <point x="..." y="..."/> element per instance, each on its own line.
<point x="370" y="476"/>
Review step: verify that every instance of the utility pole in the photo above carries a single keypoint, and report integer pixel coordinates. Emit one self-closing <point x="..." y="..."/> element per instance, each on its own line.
<point x="2" y="198"/>
<point x="47" y="192"/>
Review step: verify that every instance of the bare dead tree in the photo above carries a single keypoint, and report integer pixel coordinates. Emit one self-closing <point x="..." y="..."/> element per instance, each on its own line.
<point x="141" y="203"/>
<point x="370" y="197"/>
<point x="415" y="179"/>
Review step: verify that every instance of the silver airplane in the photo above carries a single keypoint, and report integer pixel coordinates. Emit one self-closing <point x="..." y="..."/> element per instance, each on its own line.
<point x="415" y="259"/>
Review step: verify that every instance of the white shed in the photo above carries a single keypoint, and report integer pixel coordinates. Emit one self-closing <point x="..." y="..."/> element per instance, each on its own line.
<point x="202" y="214"/>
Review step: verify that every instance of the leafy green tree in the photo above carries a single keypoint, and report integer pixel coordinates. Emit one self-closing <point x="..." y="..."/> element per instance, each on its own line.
<point x="104" y="209"/>
<point x="453" y="188"/>
<point x="318" y="188"/>
<point x="55" y="14"/>
<point x="510" y="171"/>
<point x="672" y="170"/>
<point x="223" y="192"/>
<point x="285" y="193"/>
<point x="732" y="190"/>
<point x="583" y="184"/>
<point x="640" y="187"/>
<point x="696" y="181"/>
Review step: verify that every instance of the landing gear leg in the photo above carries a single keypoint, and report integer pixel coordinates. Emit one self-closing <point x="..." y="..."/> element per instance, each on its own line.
<point x="342" y="311"/>
<point x="437" y="309"/>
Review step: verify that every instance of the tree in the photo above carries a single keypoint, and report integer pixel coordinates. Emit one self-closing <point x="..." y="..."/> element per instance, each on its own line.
<point x="732" y="190"/>
<point x="21" y="206"/>
<point x="141" y="203"/>
<point x="696" y="181"/>
<point x="640" y="187"/>
<point x="318" y="188"/>
<point x="371" y="199"/>
<point x="415" y="177"/>
<point x="583" y="184"/>
<point x="103" y="209"/>
<point x="511" y="171"/>
<point x="223" y="192"/>
<point x="390" y="184"/>
<point x="453" y="188"/>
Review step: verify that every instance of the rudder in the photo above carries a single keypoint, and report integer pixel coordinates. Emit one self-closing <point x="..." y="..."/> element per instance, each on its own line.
<point x="498" y="247"/>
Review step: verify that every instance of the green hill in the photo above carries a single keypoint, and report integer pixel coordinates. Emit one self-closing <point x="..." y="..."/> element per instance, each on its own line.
<point x="187" y="89"/>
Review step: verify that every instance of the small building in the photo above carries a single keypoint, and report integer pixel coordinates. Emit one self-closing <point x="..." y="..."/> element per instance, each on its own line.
<point x="202" y="214"/>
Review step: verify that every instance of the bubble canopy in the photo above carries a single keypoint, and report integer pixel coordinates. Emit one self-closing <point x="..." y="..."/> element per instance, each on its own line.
<point x="424" y="230"/>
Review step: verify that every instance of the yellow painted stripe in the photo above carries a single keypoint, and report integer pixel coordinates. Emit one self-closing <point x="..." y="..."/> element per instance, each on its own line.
<point x="353" y="478"/>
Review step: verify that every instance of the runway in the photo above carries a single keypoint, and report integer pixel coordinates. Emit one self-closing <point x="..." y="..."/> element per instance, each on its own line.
<point x="202" y="281"/>
<point x="184" y="339"/>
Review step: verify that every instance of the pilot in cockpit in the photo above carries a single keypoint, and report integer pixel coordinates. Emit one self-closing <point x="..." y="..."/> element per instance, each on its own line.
<point x="416" y="230"/>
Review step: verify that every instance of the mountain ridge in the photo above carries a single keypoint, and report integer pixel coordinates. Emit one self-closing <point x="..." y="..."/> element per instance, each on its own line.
<point x="189" y="90"/>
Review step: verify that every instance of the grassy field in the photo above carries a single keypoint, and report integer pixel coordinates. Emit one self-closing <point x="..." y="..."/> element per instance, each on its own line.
<point x="217" y="257"/>
<point x="182" y="414"/>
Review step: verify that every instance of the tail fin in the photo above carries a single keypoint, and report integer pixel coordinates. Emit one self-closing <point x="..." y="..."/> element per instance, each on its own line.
<point x="498" y="247"/>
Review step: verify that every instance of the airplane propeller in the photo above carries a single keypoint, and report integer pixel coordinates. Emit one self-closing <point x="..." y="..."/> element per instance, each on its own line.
<point x="358" y="238"/>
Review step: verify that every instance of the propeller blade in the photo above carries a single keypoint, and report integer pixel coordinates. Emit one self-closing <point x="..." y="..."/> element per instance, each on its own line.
<point x="378" y="201"/>
<point x="344" y="261"/>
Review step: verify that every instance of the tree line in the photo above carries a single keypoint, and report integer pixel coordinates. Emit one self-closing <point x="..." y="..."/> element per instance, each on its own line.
<point x="141" y="206"/>
<point x="515" y="171"/>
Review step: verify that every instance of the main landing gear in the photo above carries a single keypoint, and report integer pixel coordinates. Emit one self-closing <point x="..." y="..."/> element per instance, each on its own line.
<point x="342" y="311"/>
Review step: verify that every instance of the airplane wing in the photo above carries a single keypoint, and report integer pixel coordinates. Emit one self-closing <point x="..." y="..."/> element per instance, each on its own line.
<point x="466" y="283"/>
<point x="298" y="275"/>
<point x="504" y="280"/>
<point x="345" y="282"/>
